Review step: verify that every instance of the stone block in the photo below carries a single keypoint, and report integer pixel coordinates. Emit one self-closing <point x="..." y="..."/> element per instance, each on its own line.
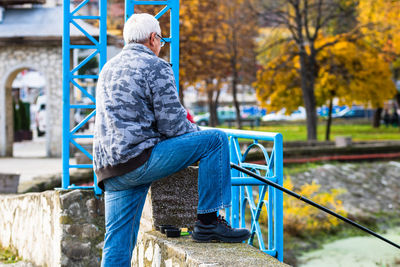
<point x="343" y="141"/>
<point x="9" y="183"/>
<point x="172" y="200"/>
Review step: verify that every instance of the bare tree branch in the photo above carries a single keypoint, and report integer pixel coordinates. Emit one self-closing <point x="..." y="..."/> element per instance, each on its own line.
<point x="305" y="14"/>
<point x="318" y="24"/>
<point x="274" y="44"/>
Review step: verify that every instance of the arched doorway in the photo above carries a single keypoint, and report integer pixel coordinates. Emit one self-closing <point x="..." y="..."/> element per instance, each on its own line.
<point x="25" y="113"/>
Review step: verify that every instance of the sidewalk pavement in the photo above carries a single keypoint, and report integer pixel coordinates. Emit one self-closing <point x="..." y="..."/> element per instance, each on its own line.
<point x="30" y="168"/>
<point x="30" y="161"/>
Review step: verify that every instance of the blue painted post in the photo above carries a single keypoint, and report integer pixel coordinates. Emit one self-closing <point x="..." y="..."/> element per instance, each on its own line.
<point x="270" y="211"/>
<point x="242" y="204"/>
<point x="174" y="48"/>
<point x="234" y="151"/>
<point x="66" y="96"/>
<point x="278" y="163"/>
<point x="129" y="9"/>
<point x="103" y="33"/>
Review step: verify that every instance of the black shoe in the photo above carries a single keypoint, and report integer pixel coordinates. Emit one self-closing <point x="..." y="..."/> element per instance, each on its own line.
<point x="219" y="231"/>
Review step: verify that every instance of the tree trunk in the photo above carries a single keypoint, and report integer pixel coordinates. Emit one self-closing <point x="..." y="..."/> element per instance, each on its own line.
<point x="217" y="92"/>
<point x="311" y="121"/>
<point x="181" y="94"/>
<point x="235" y="81"/>
<point x="235" y="101"/>
<point x="235" y="78"/>
<point x="307" y="86"/>
<point x="397" y="97"/>
<point x="212" y="107"/>
<point x="376" y="122"/>
<point x="396" y="74"/>
<point x="212" y="99"/>
<point x="329" y="121"/>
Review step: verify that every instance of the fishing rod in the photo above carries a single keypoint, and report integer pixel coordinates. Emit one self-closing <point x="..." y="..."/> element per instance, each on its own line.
<point x="312" y="203"/>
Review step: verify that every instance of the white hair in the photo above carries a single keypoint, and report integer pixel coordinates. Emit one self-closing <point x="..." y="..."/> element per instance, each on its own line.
<point x="139" y="27"/>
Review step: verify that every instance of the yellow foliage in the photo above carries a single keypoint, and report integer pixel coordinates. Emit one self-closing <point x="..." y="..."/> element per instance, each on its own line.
<point x="353" y="72"/>
<point x="380" y="21"/>
<point x="299" y="217"/>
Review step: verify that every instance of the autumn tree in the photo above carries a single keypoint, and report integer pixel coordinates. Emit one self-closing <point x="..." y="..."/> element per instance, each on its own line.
<point x="359" y="69"/>
<point x="379" y="20"/>
<point x="239" y="31"/>
<point x="352" y="72"/>
<point x="203" y="59"/>
<point x="305" y="21"/>
<point x="217" y="46"/>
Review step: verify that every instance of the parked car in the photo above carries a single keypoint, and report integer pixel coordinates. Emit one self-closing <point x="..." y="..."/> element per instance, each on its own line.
<point x="324" y="111"/>
<point x="225" y="115"/>
<point x="299" y="114"/>
<point x="354" y="113"/>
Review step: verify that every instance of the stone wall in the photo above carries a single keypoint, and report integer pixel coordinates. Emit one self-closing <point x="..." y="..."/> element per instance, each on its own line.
<point x="82" y="222"/>
<point x="30" y="225"/>
<point x="54" y="228"/>
<point x="48" y="61"/>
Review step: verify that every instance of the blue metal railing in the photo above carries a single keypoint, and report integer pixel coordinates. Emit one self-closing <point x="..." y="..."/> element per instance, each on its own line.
<point x="243" y="193"/>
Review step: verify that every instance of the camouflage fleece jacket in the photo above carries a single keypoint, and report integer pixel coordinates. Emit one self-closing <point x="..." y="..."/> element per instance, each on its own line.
<point x="137" y="106"/>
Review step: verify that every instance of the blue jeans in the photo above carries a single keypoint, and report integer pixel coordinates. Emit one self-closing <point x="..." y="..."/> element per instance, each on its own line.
<point x="125" y="195"/>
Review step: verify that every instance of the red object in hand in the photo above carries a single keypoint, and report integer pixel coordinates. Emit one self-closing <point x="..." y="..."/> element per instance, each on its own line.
<point x="189" y="116"/>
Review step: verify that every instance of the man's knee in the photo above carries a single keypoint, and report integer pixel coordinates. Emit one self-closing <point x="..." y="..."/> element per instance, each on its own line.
<point x="219" y="137"/>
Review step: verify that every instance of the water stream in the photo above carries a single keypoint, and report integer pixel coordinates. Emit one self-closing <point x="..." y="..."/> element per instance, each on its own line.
<point x="365" y="251"/>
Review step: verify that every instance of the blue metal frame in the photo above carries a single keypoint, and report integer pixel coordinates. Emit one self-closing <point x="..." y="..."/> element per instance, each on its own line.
<point x="242" y="186"/>
<point x="173" y="7"/>
<point x="69" y="136"/>
<point x="242" y="189"/>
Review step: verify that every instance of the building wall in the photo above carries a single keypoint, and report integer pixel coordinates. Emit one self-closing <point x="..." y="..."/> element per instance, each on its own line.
<point x="48" y="61"/>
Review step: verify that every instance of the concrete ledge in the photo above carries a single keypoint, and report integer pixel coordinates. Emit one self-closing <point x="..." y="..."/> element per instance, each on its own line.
<point x="154" y="249"/>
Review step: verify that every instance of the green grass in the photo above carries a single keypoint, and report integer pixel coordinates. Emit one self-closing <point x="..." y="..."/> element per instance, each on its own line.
<point x="358" y="132"/>
<point x="7" y="256"/>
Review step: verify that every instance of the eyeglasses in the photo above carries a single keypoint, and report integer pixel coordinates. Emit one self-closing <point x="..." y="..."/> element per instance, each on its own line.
<point x="162" y="40"/>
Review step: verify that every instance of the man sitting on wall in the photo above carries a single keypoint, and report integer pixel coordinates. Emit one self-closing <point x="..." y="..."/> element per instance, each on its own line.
<point x="142" y="135"/>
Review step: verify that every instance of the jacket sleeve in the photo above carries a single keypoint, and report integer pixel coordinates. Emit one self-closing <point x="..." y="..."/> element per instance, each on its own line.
<point x="170" y="115"/>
